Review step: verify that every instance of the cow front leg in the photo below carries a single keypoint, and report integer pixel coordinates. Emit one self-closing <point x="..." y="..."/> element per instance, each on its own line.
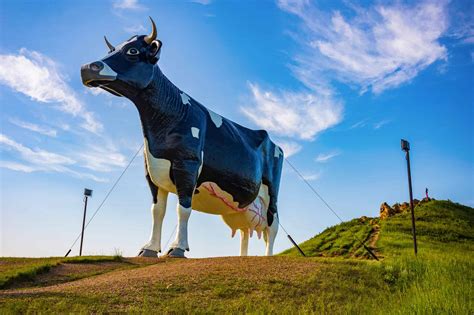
<point x="185" y="174"/>
<point x="158" y="210"/>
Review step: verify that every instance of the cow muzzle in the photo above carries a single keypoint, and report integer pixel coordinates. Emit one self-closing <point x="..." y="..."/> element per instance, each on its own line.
<point x="97" y="73"/>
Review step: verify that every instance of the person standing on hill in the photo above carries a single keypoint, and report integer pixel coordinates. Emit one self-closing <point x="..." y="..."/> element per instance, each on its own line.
<point x="426" y="192"/>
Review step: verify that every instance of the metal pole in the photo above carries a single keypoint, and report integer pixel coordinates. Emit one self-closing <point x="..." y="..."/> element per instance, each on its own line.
<point x="413" y="229"/>
<point x="296" y="245"/>
<point x="83" y="224"/>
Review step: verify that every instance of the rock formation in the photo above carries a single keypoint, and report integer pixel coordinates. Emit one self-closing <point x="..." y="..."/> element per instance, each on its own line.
<point x="388" y="211"/>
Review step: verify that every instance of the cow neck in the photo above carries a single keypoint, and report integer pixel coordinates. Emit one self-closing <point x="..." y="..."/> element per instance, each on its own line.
<point x="159" y="105"/>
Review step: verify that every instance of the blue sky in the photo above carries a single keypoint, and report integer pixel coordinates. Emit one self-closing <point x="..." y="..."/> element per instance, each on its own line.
<point x="336" y="84"/>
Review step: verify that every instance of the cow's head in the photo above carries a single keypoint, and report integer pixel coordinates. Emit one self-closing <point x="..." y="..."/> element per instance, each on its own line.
<point x="127" y="68"/>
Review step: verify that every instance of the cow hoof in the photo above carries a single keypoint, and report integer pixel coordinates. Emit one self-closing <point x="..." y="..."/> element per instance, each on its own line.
<point x="176" y="253"/>
<point x="148" y="253"/>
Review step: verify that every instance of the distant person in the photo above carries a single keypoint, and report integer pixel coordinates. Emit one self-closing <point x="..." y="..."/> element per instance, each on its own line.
<point x="426" y="192"/>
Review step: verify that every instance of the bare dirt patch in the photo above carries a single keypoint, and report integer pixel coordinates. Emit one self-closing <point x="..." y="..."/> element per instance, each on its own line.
<point x="65" y="272"/>
<point x="171" y="273"/>
<point x="54" y="271"/>
<point x="372" y="241"/>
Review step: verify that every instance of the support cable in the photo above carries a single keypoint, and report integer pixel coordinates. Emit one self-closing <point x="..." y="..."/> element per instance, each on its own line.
<point x="171" y="235"/>
<point x="106" y="197"/>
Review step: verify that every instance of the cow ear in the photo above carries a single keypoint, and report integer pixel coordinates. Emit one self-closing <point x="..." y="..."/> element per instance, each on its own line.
<point x="155" y="50"/>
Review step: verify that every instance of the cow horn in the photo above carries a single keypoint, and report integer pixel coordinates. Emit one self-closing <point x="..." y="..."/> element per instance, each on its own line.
<point x="111" y="47"/>
<point x="150" y="38"/>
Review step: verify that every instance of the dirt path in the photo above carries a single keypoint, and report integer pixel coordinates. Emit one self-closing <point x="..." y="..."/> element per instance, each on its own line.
<point x="176" y="272"/>
<point x="67" y="271"/>
<point x="374" y="236"/>
<point x="371" y="242"/>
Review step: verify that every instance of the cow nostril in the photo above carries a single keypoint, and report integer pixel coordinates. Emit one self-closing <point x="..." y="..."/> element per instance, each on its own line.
<point x="96" y="66"/>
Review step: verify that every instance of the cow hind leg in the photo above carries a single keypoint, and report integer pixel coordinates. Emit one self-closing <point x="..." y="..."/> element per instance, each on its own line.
<point x="272" y="175"/>
<point x="158" y="210"/>
<point x="180" y="244"/>
<point x="270" y="235"/>
<point x="244" y="242"/>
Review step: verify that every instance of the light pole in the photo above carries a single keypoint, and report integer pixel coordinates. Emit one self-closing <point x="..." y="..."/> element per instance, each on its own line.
<point x="406" y="148"/>
<point x="87" y="194"/>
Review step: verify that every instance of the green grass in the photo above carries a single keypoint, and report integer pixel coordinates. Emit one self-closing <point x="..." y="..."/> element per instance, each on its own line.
<point x="438" y="281"/>
<point x="341" y="240"/>
<point x="15" y="270"/>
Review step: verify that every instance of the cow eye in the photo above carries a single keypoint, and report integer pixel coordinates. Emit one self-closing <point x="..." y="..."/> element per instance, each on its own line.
<point x="133" y="51"/>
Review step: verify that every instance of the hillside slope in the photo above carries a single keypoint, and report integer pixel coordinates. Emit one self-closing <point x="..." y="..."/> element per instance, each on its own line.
<point x="436" y="221"/>
<point x="342" y="240"/>
<point x="439" y="280"/>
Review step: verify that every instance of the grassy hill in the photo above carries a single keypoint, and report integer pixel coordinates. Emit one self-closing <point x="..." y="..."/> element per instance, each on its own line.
<point x="337" y="279"/>
<point x="342" y="240"/>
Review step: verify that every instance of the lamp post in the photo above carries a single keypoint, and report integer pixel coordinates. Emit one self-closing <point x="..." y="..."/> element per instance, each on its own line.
<point x="87" y="194"/>
<point x="406" y="148"/>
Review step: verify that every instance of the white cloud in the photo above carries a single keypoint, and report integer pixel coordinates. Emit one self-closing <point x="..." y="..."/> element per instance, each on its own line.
<point x="325" y="157"/>
<point x="135" y="29"/>
<point x="380" y="124"/>
<point x="128" y="5"/>
<point x="378" y="48"/>
<point x="359" y="124"/>
<point x="96" y="91"/>
<point x="35" y="160"/>
<point x="15" y="166"/>
<point x="462" y="23"/>
<point x="39" y="78"/>
<point x="38" y="156"/>
<point x="311" y="176"/>
<point x="203" y="2"/>
<point x="102" y="159"/>
<point x="34" y="127"/>
<point x="292" y="114"/>
<point x="289" y="147"/>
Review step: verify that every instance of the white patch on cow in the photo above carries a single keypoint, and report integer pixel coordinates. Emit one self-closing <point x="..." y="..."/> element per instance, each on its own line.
<point x="216" y="119"/>
<point x="107" y="71"/>
<point x="195" y="132"/>
<point x="202" y="163"/>
<point x="278" y="151"/>
<point x="159" y="170"/>
<point x="185" y="98"/>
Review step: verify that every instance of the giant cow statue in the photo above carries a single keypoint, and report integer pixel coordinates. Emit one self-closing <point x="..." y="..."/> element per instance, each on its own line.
<point x="212" y="164"/>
